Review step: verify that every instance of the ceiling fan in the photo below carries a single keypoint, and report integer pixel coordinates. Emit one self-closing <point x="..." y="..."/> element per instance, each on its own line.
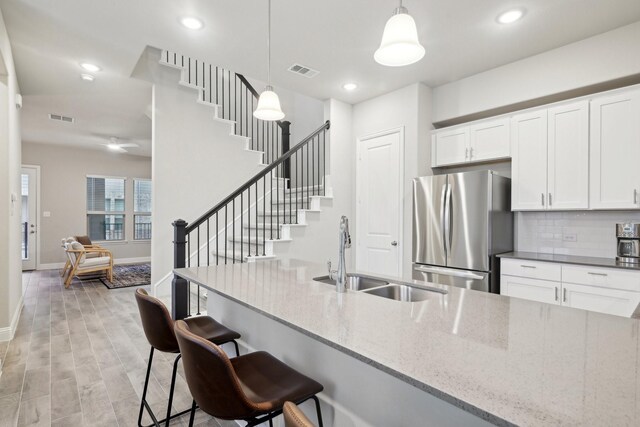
<point x="117" y="146"/>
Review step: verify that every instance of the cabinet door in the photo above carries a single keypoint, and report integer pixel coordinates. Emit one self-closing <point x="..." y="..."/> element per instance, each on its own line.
<point x="531" y="289"/>
<point x="568" y="157"/>
<point x="615" y="150"/>
<point x="489" y="140"/>
<point x="603" y="300"/>
<point x="451" y="147"/>
<point x="529" y="165"/>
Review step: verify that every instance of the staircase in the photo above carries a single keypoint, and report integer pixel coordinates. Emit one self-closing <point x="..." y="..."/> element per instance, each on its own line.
<point x="256" y="221"/>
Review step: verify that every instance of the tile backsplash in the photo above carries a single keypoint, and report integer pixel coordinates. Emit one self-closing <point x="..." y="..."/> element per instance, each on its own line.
<point x="570" y="233"/>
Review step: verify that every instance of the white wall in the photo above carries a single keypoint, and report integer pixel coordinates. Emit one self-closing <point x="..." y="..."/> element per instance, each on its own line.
<point x="608" y="56"/>
<point x="408" y="107"/>
<point x="318" y="242"/>
<point x="10" y="161"/>
<point x="195" y="163"/>
<point x="69" y="209"/>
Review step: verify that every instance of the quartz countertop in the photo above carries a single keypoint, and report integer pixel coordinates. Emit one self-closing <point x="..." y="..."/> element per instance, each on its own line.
<point x="571" y="259"/>
<point x="507" y="360"/>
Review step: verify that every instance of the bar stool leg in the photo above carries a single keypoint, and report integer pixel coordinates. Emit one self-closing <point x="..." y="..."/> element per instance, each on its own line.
<point x="193" y="413"/>
<point x="143" y="402"/>
<point x="173" y="386"/>
<point x="236" y="345"/>
<point x="318" y="411"/>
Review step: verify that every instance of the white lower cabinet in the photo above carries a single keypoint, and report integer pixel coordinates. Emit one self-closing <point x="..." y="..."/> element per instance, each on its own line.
<point x="605" y="290"/>
<point x="531" y="289"/>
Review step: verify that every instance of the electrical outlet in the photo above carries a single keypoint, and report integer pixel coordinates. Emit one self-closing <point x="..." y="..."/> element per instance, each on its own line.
<point x="570" y="237"/>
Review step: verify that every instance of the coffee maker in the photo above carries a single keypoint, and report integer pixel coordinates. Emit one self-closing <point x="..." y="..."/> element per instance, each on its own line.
<point x="628" y="235"/>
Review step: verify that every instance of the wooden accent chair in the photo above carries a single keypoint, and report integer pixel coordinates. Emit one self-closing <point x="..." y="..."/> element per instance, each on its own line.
<point x="86" y="242"/>
<point x="80" y="263"/>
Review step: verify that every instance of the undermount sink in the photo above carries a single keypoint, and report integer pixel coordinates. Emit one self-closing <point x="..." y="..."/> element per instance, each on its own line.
<point x="400" y="293"/>
<point x="355" y="282"/>
<point x="383" y="288"/>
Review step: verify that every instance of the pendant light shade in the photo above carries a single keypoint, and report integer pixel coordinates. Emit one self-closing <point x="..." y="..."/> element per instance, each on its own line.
<point x="400" y="45"/>
<point x="268" y="108"/>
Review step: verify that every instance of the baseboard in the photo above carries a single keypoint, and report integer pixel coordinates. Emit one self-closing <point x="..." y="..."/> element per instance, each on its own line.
<point x="59" y="265"/>
<point x="6" y="334"/>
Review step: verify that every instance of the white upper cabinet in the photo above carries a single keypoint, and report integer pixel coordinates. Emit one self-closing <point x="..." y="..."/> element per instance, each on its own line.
<point x="529" y="165"/>
<point x="451" y="147"/>
<point x="615" y="150"/>
<point x="568" y="157"/>
<point x="480" y="142"/>
<point x="489" y="140"/>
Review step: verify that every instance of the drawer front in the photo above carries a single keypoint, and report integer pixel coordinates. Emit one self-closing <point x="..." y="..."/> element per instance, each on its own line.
<point x="613" y="278"/>
<point x="592" y="298"/>
<point x="530" y="289"/>
<point x="531" y="269"/>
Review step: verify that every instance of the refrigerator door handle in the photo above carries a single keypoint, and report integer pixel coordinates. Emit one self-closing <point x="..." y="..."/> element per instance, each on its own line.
<point x="447" y="220"/>
<point x="449" y="272"/>
<point x="443" y="202"/>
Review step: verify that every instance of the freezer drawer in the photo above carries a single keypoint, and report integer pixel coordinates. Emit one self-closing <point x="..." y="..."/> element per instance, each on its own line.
<point x="479" y="281"/>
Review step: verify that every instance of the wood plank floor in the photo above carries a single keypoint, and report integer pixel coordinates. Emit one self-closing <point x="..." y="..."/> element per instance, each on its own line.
<point x="79" y="358"/>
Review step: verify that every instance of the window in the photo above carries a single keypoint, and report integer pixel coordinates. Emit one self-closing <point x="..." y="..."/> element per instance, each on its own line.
<point x="142" y="209"/>
<point x="105" y="208"/>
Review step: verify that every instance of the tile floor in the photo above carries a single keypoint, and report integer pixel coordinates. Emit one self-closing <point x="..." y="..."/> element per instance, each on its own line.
<point x="79" y="358"/>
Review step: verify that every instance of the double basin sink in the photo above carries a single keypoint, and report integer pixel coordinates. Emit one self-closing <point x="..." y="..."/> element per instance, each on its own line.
<point x="383" y="288"/>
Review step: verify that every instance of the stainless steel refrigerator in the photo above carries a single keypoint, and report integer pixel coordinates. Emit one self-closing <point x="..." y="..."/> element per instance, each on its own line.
<point x="460" y="222"/>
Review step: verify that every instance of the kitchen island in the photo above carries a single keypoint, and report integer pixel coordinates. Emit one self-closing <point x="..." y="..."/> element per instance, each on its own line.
<point x="456" y="358"/>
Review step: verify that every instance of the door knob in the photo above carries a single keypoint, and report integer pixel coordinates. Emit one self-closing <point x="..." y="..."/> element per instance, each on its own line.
<point x="394" y="243"/>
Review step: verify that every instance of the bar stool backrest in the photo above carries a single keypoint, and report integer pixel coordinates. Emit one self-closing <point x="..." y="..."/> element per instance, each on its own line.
<point x="156" y="322"/>
<point x="212" y="381"/>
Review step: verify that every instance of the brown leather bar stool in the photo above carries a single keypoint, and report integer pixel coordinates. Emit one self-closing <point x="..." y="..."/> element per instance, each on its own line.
<point x="252" y="387"/>
<point x="158" y="328"/>
<point x="294" y="417"/>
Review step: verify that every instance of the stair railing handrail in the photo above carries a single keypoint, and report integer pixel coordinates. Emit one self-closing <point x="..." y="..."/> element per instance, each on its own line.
<point x="202" y="219"/>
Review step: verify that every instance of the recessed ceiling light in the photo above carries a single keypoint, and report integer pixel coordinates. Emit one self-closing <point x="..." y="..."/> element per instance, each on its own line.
<point x="113" y="146"/>
<point x="87" y="77"/>
<point x="349" y="86"/>
<point x="191" y="23"/>
<point x="90" y="67"/>
<point x="510" y="16"/>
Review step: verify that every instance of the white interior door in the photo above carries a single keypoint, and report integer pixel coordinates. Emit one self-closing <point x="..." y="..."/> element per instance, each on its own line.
<point x="379" y="203"/>
<point x="29" y="217"/>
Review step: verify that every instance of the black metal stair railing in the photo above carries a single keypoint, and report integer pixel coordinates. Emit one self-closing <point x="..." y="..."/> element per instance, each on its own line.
<point x="236" y="99"/>
<point x="242" y="224"/>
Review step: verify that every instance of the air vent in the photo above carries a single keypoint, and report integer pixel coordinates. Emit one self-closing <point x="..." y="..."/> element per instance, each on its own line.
<point x="60" y="118"/>
<point x="303" y="71"/>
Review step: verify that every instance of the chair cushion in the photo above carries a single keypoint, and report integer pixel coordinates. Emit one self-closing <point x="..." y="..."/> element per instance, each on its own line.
<point x="85" y="240"/>
<point x="94" y="262"/>
<point x="77" y="246"/>
<point x="207" y="328"/>
<point x="265" y="379"/>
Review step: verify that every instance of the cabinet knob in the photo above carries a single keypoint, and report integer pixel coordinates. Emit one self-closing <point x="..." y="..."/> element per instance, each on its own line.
<point x="394" y="243"/>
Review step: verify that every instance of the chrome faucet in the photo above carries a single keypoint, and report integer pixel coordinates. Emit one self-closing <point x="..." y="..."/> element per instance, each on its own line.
<point x="340" y="275"/>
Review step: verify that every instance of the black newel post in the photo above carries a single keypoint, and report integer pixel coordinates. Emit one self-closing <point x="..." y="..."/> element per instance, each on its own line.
<point x="179" y="286"/>
<point x="286" y="144"/>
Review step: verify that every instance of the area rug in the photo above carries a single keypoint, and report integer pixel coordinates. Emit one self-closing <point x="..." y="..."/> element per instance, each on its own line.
<point x="127" y="275"/>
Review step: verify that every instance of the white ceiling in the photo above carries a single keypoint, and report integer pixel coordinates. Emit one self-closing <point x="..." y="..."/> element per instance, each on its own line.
<point x="336" y="37"/>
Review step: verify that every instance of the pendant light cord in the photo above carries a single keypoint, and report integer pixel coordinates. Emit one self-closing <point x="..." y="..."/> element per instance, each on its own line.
<point x="269" y="44"/>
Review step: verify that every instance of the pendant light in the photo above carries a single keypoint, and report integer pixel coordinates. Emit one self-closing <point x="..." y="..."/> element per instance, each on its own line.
<point x="268" y="108"/>
<point x="400" y="45"/>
